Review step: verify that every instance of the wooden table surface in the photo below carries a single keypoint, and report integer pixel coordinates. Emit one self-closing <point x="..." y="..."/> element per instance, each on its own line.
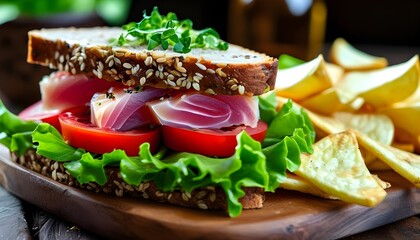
<point x="21" y="220"/>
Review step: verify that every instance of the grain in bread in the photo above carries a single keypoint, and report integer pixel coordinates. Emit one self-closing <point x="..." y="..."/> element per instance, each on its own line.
<point x="204" y="198"/>
<point x="88" y="50"/>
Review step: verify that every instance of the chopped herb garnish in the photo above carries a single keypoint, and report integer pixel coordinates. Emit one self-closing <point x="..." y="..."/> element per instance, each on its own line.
<point x="167" y="31"/>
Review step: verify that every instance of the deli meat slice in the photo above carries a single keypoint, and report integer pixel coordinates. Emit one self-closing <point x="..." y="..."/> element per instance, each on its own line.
<point x="199" y="111"/>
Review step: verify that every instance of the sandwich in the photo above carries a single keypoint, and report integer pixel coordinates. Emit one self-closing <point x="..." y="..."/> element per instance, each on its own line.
<point x="160" y="111"/>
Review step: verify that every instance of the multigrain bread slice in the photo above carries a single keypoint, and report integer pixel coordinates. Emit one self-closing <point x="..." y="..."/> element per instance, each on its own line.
<point x="204" y="198"/>
<point x="86" y="50"/>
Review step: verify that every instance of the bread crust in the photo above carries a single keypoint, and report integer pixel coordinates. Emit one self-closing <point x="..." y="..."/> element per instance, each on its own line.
<point x="204" y="198"/>
<point x="237" y="74"/>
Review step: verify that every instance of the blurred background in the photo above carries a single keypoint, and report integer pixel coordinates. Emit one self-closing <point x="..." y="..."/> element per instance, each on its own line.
<point x="301" y="28"/>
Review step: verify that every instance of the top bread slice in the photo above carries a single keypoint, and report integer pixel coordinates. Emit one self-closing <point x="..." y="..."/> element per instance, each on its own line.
<point x="237" y="71"/>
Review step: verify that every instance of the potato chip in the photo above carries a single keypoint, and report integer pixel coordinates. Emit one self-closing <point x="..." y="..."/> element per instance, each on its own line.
<point x="296" y="183"/>
<point x="337" y="168"/>
<point x="383" y="87"/>
<point x="350" y="58"/>
<point x="303" y="80"/>
<point x="405" y="163"/>
<point x="335" y="99"/>
<point x="382" y="183"/>
<point x="377" y="165"/>
<point x="377" y="126"/>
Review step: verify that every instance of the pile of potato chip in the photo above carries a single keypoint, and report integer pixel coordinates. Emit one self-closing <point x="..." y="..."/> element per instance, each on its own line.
<point x="365" y="114"/>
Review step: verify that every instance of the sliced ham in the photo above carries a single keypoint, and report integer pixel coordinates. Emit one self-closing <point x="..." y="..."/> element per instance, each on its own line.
<point x="61" y="90"/>
<point x="198" y="111"/>
<point x="123" y="110"/>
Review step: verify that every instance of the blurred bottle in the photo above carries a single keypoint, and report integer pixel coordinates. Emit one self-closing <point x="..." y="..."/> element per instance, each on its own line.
<point x="294" y="27"/>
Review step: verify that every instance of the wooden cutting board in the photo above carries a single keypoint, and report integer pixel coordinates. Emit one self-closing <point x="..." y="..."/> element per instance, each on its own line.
<point x="285" y="214"/>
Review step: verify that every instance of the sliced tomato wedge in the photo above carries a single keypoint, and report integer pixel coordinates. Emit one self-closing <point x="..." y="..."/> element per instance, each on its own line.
<point x="35" y="112"/>
<point x="209" y="142"/>
<point x="80" y="133"/>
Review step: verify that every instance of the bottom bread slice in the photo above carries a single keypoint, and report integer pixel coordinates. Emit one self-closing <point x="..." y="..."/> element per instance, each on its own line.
<point x="211" y="197"/>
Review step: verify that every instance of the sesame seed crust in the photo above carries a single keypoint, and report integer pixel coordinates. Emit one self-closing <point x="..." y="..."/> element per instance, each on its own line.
<point x="162" y="69"/>
<point x="210" y="197"/>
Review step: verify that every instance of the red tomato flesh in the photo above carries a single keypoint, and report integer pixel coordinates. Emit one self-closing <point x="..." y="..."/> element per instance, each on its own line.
<point x="209" y="142"/>
<point x="35" y="112"/>
<point x="79" y="133"/>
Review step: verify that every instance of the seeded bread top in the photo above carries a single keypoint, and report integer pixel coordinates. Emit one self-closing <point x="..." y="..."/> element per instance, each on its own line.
<point x="87" y="50"/>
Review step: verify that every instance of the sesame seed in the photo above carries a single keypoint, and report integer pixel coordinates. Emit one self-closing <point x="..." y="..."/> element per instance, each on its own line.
<point x="66" y="67"/>
<point x="75" y="50"/>
<point x="100" y="66"/>
<point x="60" y="67"/>
<point x="135" y="69"/>
<point x="234" y="87"/>
<point x="210" y="91"/>
<point x="82" y="67"/>
<point x="185" y="197"/>
<point x="148" y="61"/>
<point x="54" y="175"/>
<point x="220" y="72"/>
<point x="127" y="65"/>
<point x="201" y="66"/>
<point x="211" y="71"/>
<point x="129" y="187"/>
<point x="241" y="89"/>
<point x="127" y="54"/>
<point x="109" y="58"/>
<point x="221" y="65"/>
<point x="117" y="61"/>
<point x="56" y="55"/>
<point x="196" y="78"/>
<point x="202" y="206"/>
<point x="61" y="59"/>
<point x="161" y="60"/>
<point x="212" y="197"/>
<point x="74" y="58"/>
<point x="201" y="194"/>
<point x="111" y="63"/>
<point x="199" y="75"/>
<point x="145" y="195"/>
<point x="160" y="67"/>
<point x="146" y="186"/>
<point x="175" y="72"/>
<point x="114" y="71"/>
<point x="99" y="74"/>
<point x="171" y="83"/>
<point x="142" y="81"/>
<point x="119" y="54"/>
<point x="55" y="166"/>
<point x="83" y="55"/>
<point x="188" y="85"/>
<point x="161" y="75"/>
<point x="117" y="184"/>
<point x="181" y="69"/>
<point x="128" y="72"/>
<point x="171" y="77"/>
<point x="119" y="192"/>
<point x="196" y="86"/>
<point x="159" y="194"/>
<point x="169" y="196"/>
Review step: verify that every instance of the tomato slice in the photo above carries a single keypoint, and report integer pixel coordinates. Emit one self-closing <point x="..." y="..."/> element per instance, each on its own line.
<point x="79" y="133"/>
<point x="209" y="142"/>
<point x="35" y="112"/>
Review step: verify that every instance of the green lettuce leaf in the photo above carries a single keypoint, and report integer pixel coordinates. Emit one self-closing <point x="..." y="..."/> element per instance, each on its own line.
<point x="287" y="61"/>
<point x="52" y="145"/>
<point x="267" y="105"/>
<point x="11" y="124"/>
